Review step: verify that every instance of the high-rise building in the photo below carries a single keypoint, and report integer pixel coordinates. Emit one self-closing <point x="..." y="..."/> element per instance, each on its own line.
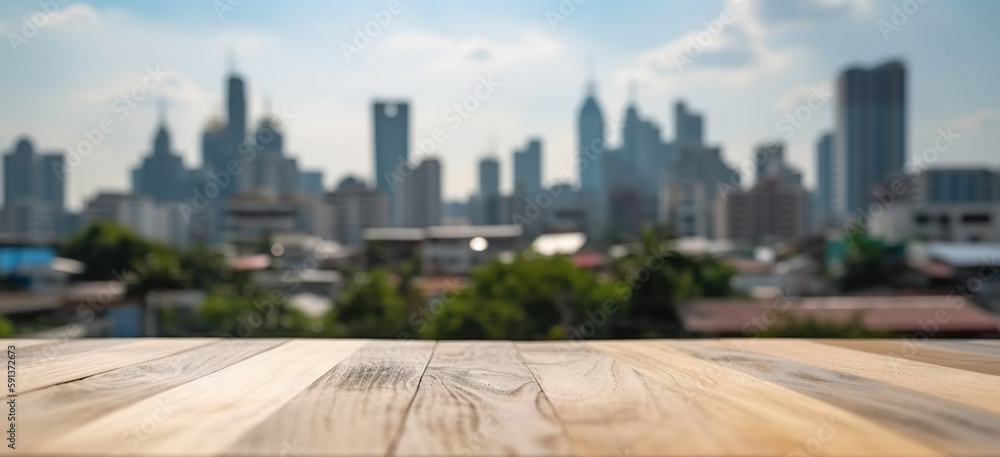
<point x="769" y="212"/>
<point x="392" y="142"/>
<point x="590" y="143"/>
<point x="687" y="126"/>
<point x="489" y="201"/>
<point x="237" y="111"/>
<point x="35" y="177"/>
<point x="141" y="214"/>
<point x="528" y="169"/>
<point x="823" y="199"/>
<point x="700" y="172"/>
<point x="356" y="207"/>
<point x="956" y="185"/>
<point x="21" y="173"/>
<point x="771" y="164"/>
<point x="162" y="175"/>
<point x="311" y="182"/>
<point x="271" y="170"/>
<point x="423" y="195"/>
<point x="34" y="193"/>
<point x="870" y="138"/>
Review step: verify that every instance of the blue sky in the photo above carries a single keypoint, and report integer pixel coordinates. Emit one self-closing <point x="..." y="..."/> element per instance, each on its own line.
<point x="761" y="66"/>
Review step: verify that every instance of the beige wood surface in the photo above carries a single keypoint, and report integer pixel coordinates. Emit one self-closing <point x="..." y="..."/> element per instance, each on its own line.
<point x="473" y="399"/>
<point x="70" y="365"/>
<point x="751" y="397"/>
<point x="356" y="408"/>
<point x="49" y="413"/>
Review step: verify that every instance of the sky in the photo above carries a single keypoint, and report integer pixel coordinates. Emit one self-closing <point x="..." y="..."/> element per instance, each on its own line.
<point x="744" y="64"/>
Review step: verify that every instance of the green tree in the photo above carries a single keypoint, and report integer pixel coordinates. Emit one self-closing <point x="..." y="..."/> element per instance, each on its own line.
<point x="107" y="249"/>
<point x="371" y="306"/>
<point x="531" y="297"/>
<point x="656" y="277"/>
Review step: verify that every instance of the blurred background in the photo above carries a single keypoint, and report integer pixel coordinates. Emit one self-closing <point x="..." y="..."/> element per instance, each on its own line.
<point x="556" y="169"/>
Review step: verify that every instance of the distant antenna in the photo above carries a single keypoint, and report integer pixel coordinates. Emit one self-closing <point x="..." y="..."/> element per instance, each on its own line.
<point x="631" y="92"/>
<point x="591" y="74"/>
<point x="162" y="114"/>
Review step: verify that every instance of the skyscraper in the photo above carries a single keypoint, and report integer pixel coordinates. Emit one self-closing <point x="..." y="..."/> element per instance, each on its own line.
<point x="590" y="142"/>
<point x="34" y="193"/>
<point x="237" y="110"/>
<point x="870" y="138"/>
<point x="271" y="170"/>
<point x="162" y="175"/>
<point x="528" y="170"/>
<point x="423" y="195"/>
<point x="392" y="140"/>
<point x="489" y="192"/>
<point x="32" y="177"/>
<point x="823" y="202"/>
<point x="687" y="126"/>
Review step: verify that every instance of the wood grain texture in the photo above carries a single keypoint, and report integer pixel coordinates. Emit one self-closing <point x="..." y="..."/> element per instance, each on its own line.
<point x="70" y="365"/>
<point x="22" y="343"/>
<point x="748" y="397"/>
<point x="356" y="408"/>
<point x="748" y="415"/>
<point x="53" y="411"/>
<point x="66" y="347"/>
<point x="207" y="415"/>
<point x="980" y="363"/>
<point x="943" y="424"/>
<point x="474" y="399"/>
<point x="972" y="389"/>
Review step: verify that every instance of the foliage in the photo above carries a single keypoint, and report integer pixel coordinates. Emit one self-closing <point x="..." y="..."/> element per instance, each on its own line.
<point x="658" y="277"/>
<point x="6" y="327"/>
<point x="253" y="314"/>
<point x="107" y="249"/>
<point x="372" y="306"/>
<point x="531" y="297"/>
<point x="868" y="263"/>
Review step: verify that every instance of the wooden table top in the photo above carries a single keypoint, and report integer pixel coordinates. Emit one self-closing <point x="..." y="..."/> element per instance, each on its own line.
<point x="305" y="397"/>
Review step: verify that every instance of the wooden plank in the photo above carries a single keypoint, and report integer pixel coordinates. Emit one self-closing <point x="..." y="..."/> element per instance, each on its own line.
<point x="948" y="426"/>
<point x="22" y="343"/>
<point x="604" y="405"/>
<point x="731" y="413"/>
<point x="965" y="387"/>
<point x="480" y="399"/>
<point x="355" y="409"/>
<point x="986" y="347"/>
<point x="67" y="347"/>
<point x="962" y="360"/>
<point x="46" y="414"/>
<point x="72" y="366"/>
<point x="207" y="415"/>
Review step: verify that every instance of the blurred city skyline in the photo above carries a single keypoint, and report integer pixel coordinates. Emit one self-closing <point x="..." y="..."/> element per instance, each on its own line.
<point x="763" y="64"/>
